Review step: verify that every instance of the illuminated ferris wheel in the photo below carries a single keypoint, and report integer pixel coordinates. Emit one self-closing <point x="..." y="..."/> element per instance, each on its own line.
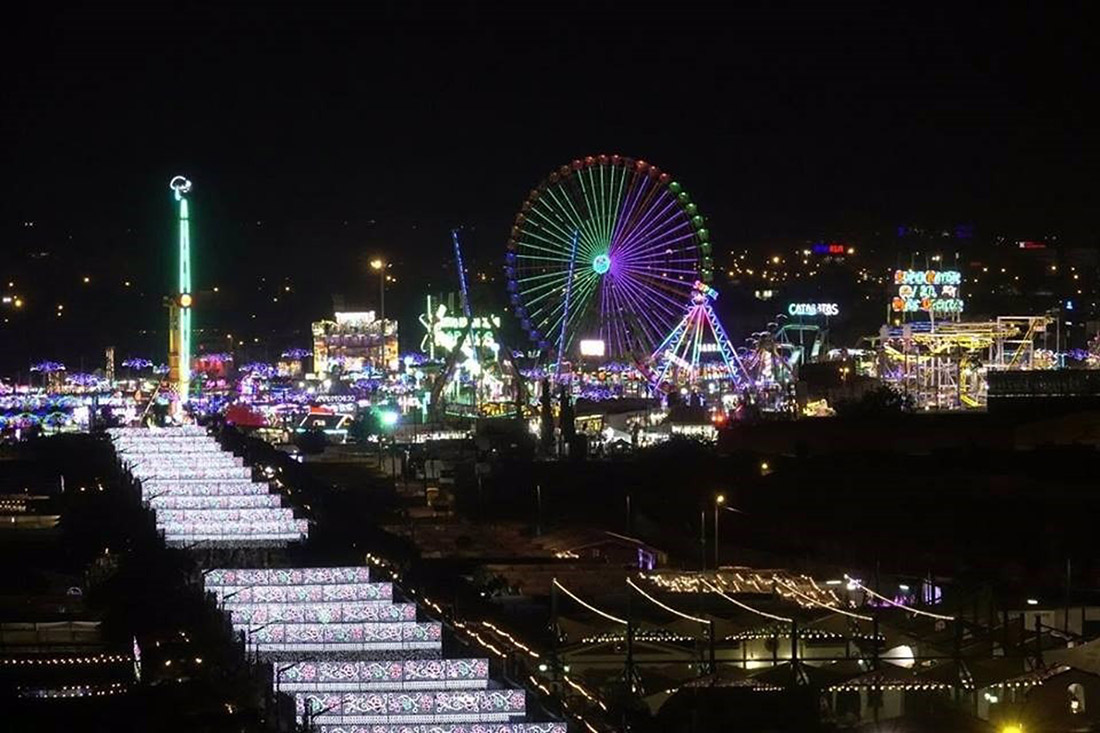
<point x="607" y="249"/>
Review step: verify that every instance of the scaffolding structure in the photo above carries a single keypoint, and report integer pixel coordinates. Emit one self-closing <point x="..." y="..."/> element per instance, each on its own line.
<point x="945" y="366"/>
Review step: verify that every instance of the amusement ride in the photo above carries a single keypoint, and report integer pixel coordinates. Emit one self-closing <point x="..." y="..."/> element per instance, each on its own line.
<point x="608" y="265"/>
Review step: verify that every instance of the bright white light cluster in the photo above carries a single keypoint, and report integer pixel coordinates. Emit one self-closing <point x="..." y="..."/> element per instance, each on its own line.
<point x="135" y="450"/>
<point x="229" y="501"/>
<point x="446" y="706"/>
<point x="306" y="593"/>
<point x="157" y="462"/>
<point x="204" y="515"/>
<point x="202" y="495"/>
<point x="475" y="728"/>
<point x="191" y="471"/>
<point x="340" y="637"/>
<point x="180" y="431"/>
<point x="379" y="676"/>
<point x="326" y="612"/>
<point x="201" y="487"/>
<point x="331" y="614"/>
<point x="286" y="576"/>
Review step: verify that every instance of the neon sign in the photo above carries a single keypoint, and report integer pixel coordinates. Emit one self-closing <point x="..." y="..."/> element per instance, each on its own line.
<point x="931" y="291"/>
<point x="813" y="309"/>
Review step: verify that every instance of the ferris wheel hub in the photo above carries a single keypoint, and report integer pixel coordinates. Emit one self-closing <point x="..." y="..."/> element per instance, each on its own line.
<point x="601" y="264"/>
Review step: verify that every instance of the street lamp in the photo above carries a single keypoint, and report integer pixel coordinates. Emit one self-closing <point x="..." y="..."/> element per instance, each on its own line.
<point x="380" y="265"/>
<point x="719" y="500"/>
<point x="720" y="503"/>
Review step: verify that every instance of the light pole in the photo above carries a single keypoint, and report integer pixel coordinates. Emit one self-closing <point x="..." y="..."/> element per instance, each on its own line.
<point x="720" y="503"/>
<point x="538" y="502"/>
<point x="380" y="265"/>
<point x="703" y="537"/>
<point x="719" y="500"/>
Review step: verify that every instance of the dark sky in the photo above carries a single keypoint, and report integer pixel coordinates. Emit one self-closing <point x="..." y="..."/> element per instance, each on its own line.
<point x="321" y="135"/>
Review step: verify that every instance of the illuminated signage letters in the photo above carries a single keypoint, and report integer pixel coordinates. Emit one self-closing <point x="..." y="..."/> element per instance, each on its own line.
<point x="813" y="309"/>
<point x="931" y="291"/>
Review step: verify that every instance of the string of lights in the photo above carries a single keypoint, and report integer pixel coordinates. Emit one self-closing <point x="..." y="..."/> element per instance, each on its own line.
<point x="515" y="642"/>
<point x="745" y="606"/>
<point x="98" y="659"/>
<point x="834" y="609"/>
<point x="668" y="608"/>
<point x="589" y="606"/>
<point x="884" y="599"/>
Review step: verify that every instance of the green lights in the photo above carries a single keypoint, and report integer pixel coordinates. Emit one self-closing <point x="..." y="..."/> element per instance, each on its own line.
<point x="181" y="186"/>
<point x="601" y="264"/>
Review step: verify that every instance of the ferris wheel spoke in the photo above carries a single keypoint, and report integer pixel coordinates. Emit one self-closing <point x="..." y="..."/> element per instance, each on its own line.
<point x="596" y="204"/>
<point x="621" y="194"/>
<point x="622" y="217"/>
<point x="661" y="262"/>
<point x="544" y="258"/>
<point x="543" y="246"/>
<point x="653" y="227"/>
<point x="589" y="245"/>
<point x="669" y="232"/>
<point x="556" y="313"/>
<point x="605" y="207"/>
<point x="582" y="302"/>
<point x="641" y="314"/>
<point x="612" y="330"/>
<point x="637" y="207"/>
<point x="659" y="257"/>
<point x="651" y="204"/>
<point x="592" y="244"/>
<point x="545" y="289"/>
<point x="576" y="220"/>
<point x="592" y="204"/>
<point x="659" y="271"/>
<point x="556" y="226"/>
<point x="646" y="324"/>
<point x="611" y="202"/>
<point x="667" y="298"/>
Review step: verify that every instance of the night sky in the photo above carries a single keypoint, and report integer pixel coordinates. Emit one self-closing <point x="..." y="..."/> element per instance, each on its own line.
<point x="316" y="140"/>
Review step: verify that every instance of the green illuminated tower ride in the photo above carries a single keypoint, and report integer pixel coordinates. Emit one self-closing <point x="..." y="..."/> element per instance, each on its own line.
<point x="181" y="330"/>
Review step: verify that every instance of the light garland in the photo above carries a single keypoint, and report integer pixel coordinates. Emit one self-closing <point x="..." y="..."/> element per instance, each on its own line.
<point x="589" y="606"/>
<point x="893" y="686"/>
<point x="803" y="635"/>
<point x="745" y="580"/>
<point x="668" y="608"/>
<point x="584" y="693"/>
<point x="656" y="635"/>
<point x="859" y="584"/>
<point x="747" y="607"/>
<point x="834" y="609"/>
<point x="115" y="688"/>
<point x="515" y="642"/>
<point x="98" y="659"/>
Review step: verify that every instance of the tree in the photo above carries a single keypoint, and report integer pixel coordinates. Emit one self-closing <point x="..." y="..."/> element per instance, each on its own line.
<point x="884" y="401"/>
<point x="546" y="419"/>
<point x="364" y="426"/>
